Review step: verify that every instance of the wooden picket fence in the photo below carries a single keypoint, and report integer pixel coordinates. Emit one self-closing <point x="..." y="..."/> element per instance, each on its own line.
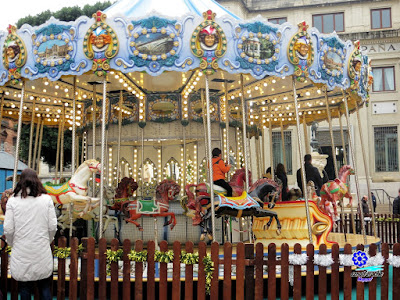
<point x="387" y="227"/>
<point x="250" y="281"/>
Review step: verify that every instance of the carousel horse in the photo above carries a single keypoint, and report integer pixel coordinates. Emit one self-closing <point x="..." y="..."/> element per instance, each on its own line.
<point x="64" y="221"/>
<point x="4" y="198"/>
<point x="125" y="189"/>
<point x="166" y="191"/>
<point x="199" y="204"/>
<point x="75" y="190"/>
<point x="334" y="191"/>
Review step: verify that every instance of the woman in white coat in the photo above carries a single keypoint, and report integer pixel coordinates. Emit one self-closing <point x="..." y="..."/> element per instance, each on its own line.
<point x="29" y="226"/>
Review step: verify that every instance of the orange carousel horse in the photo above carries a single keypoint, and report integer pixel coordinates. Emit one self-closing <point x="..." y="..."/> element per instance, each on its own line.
<point x="166" y="191"/>
<point x="336" y="190"/>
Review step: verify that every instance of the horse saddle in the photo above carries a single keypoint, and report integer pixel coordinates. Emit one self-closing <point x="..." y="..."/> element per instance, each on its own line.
<point x="147" y="206"/>
<point x="242" y="202"/>
<point x="57" y="189"/>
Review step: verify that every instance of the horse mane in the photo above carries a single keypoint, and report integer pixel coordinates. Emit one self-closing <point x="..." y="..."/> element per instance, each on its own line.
<point x="123" y="185"/>
<point x="343" y="170"/>
<point x="238" y="173"/>
<point x="163" y="187"/>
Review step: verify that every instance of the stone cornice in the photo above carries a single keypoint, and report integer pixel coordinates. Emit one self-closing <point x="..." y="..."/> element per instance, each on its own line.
<point x="373" y="37"/>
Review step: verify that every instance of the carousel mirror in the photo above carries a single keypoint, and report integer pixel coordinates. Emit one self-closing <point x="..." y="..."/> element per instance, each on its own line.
<point x="198" y="107"/>
<point x="148" y="177"/>
<point x="172" y="169"/>
<point x="125" y="170"/>
<point x="163" y="108"/>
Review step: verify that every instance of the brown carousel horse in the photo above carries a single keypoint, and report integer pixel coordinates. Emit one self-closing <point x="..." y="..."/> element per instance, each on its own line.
<point x="166" y="191"/>
<point x="125" y="189"/>
<point x="336" y="190"/>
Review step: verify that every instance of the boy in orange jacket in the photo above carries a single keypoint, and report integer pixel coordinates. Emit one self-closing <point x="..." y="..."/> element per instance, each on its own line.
<point x="219" y="171"/>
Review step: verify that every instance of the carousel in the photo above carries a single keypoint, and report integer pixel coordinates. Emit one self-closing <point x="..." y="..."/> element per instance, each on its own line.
<point x="149" y="88"/>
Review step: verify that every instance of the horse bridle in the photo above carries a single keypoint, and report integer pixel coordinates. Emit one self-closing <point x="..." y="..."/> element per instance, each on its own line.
<point x="90" y="167"/>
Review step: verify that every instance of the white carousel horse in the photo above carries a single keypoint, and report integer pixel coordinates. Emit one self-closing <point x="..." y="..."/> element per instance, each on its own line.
<point x="75" y="190"/>
<point x="93" y="213"/>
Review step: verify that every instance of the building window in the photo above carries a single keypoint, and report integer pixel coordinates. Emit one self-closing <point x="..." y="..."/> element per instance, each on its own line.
<point x="383" y="79"/>
<point x="381" y="18"/>
<point x="278" y="151"/>
<point x="329" y="22"/>
<point x="386" y="150"/>
<point x="278" y="21"/>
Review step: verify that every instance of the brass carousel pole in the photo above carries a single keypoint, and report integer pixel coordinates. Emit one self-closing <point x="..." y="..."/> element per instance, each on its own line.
<point x="184" y="158"/>
<point x="62" y="142"/>
<point x="283" y="146"/>
<point x="258" y="156"/>
<point x="303" y="173"/>
<point x="94" y="119"/>
<point x="40" y="146"/>
<point x="306" y="139"/>
<point x="353" y="157"/>
<point x="342" y="138"/>
<point x="119" y="135"/>
<point x="353" y="224"/>
<point x="227" y="111"/>
<point x="58" y="152"/>
<point x="30" y="132"/>
<point x="19" y="129"/>
<point x="1" y="107"/>
<point x="245" y="148"/>
<point x="271" y="154"/>
<point x="142" y="171"/>
<point x="328" y="113"/>
<point x="103" y="153"/>
<point x="263" y="150"/>
<point x="73" y="152"/>
<point x="209" y="156"/>
<point x="366" y="170"/>
<point x="204" y="106"/>
<point x="36" y="144"/>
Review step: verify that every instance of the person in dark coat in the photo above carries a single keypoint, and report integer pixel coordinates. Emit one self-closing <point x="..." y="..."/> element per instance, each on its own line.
<point x="373" y="201"/>
<point x="396" y="205"/>
<point x="312" y="174"/>
<point x="365" y="207"/>
<point x="281" y="174"/>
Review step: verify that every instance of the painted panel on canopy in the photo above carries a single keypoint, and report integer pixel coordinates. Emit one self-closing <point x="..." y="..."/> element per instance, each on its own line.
<point x="47" y="56"/>
<point x="154" y="45"/>
<point x="330" y="67"/>
<point x="258" y="50"/>
<point x="54" y="51"/>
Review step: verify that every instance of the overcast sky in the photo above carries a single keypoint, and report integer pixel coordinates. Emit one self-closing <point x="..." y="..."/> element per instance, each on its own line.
<point x="12" y="10"/>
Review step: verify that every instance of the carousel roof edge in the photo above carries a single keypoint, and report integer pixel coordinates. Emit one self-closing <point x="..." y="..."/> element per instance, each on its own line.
<point x="156" y="44"/>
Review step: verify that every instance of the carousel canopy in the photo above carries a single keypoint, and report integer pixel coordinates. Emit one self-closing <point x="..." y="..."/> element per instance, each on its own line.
<point x="171" y="8"/>
<point x="154" y="67"/>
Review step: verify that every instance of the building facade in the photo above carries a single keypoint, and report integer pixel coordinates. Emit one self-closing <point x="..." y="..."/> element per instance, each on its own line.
<point x="376" y="24"/>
